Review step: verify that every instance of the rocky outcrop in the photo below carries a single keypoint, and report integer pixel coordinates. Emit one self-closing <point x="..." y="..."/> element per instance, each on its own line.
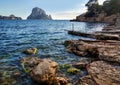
<point x="11" y="17"/>
<point x="38" y="13"/>
<point x="101" y="73"/>
<point x="105" y="69"/>
<point x="102" y="17"/>
<point x="43" y="71"/>
<point x="105" y="50"/>
<point x="98" y="13"/>
<point x="105" y="73"/>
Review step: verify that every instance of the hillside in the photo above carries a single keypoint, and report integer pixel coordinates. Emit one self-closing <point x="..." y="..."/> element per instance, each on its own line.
<point x="108" y="12"/>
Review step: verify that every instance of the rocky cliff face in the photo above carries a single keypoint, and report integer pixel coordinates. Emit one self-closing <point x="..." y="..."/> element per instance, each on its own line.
<point x="100" y="18"/>
<point x="38" y="13"/>
<point x="11" y="17"/>
<point x="99" y="13"/>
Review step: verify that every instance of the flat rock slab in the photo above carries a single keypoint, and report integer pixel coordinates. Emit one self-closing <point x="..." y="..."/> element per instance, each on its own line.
<point x="104" y="73"/>
<point x="101" y="73"/>
<point x="104" y="50"/>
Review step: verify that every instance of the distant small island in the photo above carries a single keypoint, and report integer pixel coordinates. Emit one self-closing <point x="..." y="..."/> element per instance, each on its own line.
<point x="108" y="12"/>
<point x="11" y="17"/>
<point x="38" y="13"/>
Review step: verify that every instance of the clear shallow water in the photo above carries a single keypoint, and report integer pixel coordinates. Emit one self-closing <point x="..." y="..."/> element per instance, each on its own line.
<point x="47" y="36"/>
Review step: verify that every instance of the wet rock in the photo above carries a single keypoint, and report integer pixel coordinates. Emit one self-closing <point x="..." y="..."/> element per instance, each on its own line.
<point x="30" y="51"/>
<point x="81" y="48"/>
<point x="29" y="63"/>
<point x="105" y="36"/>
<point x="62" y="81"/>
<point x="73" y="70"/>
<point x="80" y="65"/>
<point x="44" y="72"/>
<point x="64" y="66"/>
<point x="87" y="80"/>
<point x="104" y="73"/>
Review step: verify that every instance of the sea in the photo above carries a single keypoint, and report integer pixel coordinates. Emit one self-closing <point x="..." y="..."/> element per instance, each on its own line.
<point x="47" y="36"/>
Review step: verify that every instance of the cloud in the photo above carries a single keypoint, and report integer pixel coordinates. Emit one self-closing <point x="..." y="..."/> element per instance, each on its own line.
<point x="101" y="1"/>
<point x="71" y="13"/>
<point x="68" y="14"/>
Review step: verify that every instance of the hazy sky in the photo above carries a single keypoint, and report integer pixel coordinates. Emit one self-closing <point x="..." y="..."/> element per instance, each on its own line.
<point x="59" y="9"/>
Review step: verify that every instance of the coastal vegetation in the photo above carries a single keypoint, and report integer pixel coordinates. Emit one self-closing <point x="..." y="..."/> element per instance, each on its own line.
<point x="107" y="12"/>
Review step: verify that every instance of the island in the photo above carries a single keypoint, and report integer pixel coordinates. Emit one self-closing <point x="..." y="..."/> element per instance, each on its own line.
<point x="38" y="13"/>
<point x="11" y="17"/>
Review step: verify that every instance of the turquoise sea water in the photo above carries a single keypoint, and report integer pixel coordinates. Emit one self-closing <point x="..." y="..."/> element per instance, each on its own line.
<point x="47" y="36"/>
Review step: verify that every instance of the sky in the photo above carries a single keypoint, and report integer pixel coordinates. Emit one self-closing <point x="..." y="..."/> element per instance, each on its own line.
<point x="58" y="9"/>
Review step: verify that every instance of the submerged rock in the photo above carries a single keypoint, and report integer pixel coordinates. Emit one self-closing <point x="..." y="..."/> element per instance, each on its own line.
<point x="30" y="51"/>
<point x="73" y="70"/>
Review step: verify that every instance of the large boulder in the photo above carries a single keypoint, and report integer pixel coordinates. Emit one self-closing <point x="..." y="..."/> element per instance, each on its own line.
<point x="38" y="13"/>
<point x="43" y="71"/>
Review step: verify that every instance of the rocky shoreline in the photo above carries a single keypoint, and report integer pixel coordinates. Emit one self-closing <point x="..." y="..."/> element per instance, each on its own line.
<point x="101" y="18"/>
<point x="105" y="67"/>
<point x="102" y="65"/>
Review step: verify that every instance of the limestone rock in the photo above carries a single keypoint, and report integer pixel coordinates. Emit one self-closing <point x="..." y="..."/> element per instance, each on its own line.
<point x="44" y="72"/>
<point x="104" y="73"/>
<point x="103" y="50"/>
